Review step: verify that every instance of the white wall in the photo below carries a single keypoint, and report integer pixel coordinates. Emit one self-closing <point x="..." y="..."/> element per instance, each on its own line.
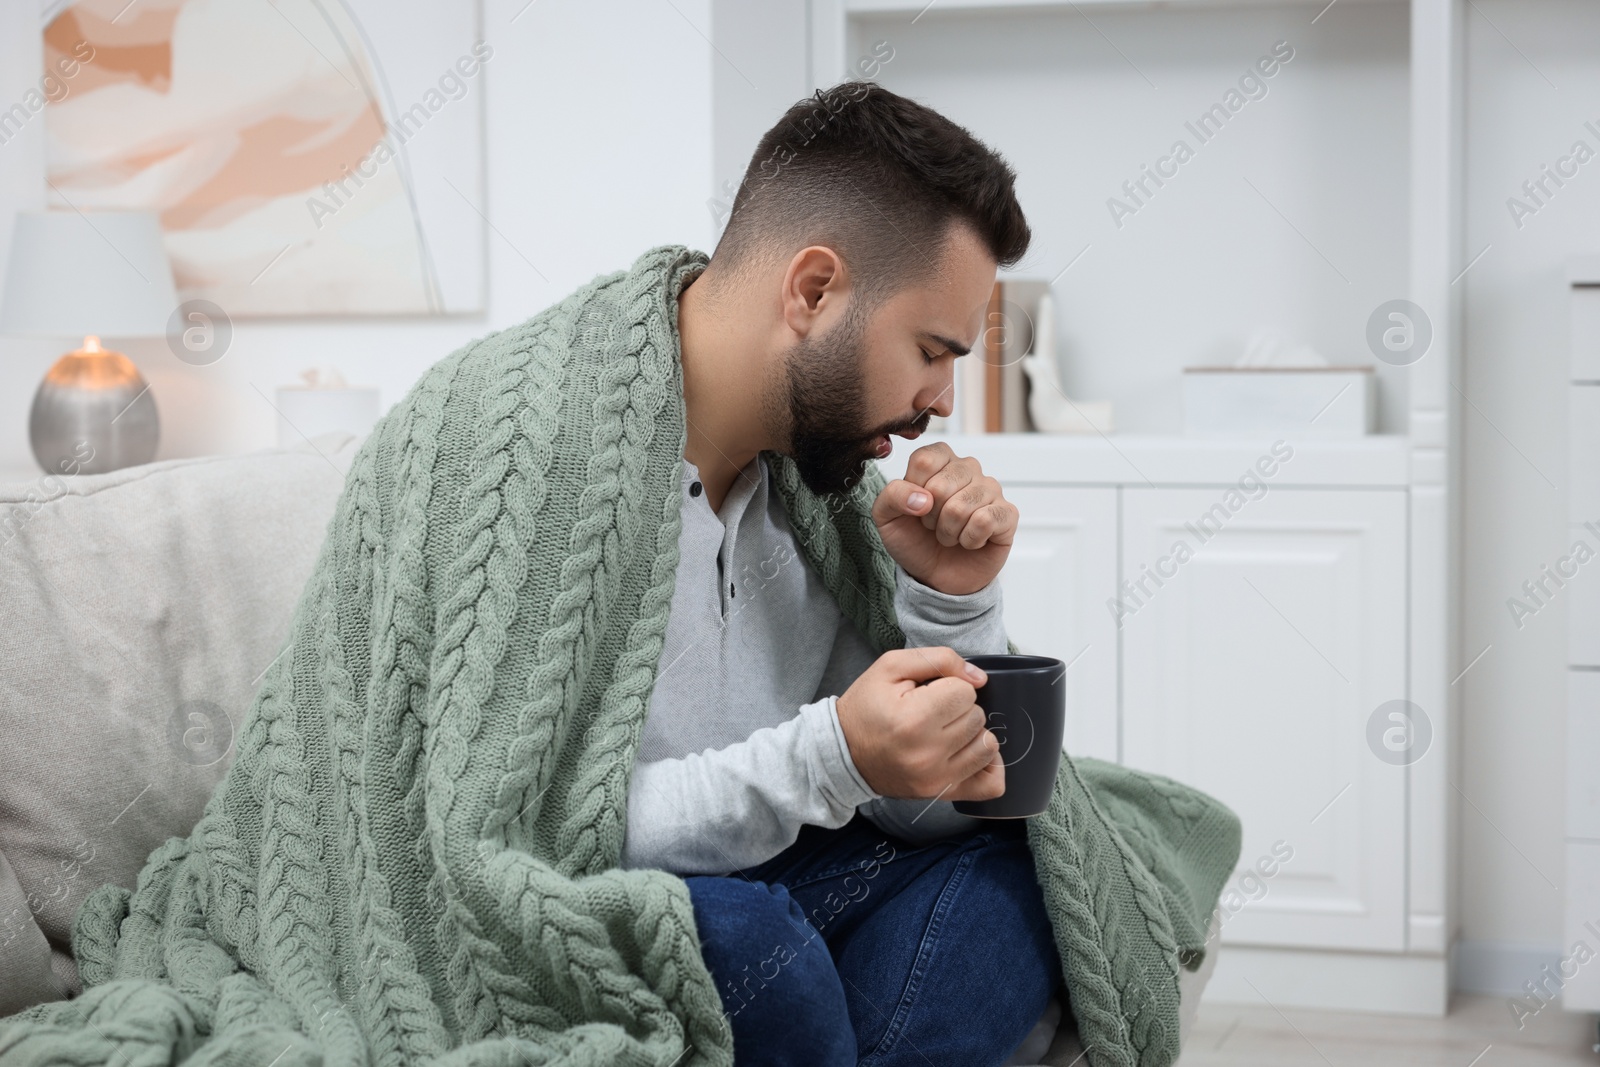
<point x="598" y="121"/>
<point x="760" y="68"/>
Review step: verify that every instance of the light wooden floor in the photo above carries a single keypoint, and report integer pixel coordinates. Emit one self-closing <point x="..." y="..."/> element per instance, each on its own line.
<point x="1479" y="1032"/>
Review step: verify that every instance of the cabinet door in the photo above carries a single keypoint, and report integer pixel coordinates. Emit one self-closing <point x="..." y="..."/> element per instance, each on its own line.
<point x="1254" y="672"/>
<point x="1061" y="572"/>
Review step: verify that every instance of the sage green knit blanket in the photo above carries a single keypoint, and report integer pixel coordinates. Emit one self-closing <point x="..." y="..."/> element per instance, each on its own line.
<point x="413" y="857"/>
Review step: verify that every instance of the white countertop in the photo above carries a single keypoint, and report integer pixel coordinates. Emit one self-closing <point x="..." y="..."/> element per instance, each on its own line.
<point x="1377" y="460"/>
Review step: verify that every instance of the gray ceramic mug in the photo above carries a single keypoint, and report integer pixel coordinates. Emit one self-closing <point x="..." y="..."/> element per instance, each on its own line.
<point x="1025" y="701"/>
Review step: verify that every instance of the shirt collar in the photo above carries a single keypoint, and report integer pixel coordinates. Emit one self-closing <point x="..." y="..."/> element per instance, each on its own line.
<point x="749" y="488"/>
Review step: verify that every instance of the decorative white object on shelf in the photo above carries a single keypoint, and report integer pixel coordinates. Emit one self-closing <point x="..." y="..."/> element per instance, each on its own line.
<point x="324" y="402"/>
<point x="1051" y="410"/>
<point x="1278" y="387"/>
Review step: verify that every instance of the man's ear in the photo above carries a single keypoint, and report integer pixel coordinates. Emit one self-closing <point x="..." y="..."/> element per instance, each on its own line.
<point x="816" y="289"/>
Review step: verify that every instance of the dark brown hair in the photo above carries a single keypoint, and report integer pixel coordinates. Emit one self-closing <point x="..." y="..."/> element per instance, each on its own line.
<point x="877" y="177"/>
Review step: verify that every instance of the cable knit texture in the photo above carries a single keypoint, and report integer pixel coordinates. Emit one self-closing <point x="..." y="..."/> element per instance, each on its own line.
<point x="413" y="857"/>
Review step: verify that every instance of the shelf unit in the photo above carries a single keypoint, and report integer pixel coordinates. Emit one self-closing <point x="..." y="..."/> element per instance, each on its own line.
<point x="1410" y="974"/>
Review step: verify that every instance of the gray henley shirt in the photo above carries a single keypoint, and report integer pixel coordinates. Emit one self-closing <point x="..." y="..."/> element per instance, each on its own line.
<point x="741" y="744"/>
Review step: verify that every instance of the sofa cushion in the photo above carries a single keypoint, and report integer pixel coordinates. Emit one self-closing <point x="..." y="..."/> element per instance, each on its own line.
<point x="142" y="607"/>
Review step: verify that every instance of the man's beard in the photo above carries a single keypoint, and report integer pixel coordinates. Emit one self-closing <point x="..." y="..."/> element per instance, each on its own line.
<point x="829" y="440"/>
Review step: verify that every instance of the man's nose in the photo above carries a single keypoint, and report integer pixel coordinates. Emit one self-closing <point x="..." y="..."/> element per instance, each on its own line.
<point x="941" y="399"/>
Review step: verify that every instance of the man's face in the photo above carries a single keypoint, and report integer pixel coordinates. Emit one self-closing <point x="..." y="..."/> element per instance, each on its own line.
<point x="852" y="386"/>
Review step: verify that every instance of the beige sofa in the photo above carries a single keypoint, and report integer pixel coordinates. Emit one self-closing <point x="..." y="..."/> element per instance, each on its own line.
<point x="140" y="610"/>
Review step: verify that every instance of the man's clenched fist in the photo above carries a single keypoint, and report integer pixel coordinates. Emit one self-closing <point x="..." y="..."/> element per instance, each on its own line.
<point x="911" y="740"/>
<point x="946" y="523"/>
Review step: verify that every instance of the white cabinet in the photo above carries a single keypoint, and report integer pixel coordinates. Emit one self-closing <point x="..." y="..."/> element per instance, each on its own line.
<point x="1251" y="671"/>
<point x="1061" y="571"/>
<point x="1581" y="991"/>
<point x="1253" y="668"/>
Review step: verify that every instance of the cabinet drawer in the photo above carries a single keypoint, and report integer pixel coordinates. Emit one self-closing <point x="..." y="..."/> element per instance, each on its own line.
<point x="1583" y="454"/>
<point x="1586" y="333"/>
<point x="1583" y="756"/>
<point x="1582" y="594"/>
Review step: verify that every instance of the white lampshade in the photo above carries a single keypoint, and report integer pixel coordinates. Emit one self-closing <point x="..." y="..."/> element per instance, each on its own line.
<point x="101" y="272"/>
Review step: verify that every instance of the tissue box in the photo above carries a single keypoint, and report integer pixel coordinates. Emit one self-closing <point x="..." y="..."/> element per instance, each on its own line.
<point x="1292" y="402"/>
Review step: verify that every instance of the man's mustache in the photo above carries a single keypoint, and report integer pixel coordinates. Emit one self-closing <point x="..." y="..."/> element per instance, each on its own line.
<point x="919" y="424"/>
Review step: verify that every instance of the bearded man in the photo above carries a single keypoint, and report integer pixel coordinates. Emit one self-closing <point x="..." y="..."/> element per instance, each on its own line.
<point x="623" y="715"/>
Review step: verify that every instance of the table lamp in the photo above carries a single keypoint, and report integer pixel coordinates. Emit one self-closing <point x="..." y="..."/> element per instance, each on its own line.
<point x="94" y="274"/>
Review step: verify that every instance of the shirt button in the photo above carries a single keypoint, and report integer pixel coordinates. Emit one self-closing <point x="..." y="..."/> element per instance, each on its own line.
<point x="694" y="488"/>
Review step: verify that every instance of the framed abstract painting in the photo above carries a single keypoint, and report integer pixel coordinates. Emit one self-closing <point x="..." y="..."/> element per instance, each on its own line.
<point x="305" y="157"/>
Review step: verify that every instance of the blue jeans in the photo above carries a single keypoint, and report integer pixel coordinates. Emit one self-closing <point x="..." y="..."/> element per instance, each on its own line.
<point x="854" y="947"/>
